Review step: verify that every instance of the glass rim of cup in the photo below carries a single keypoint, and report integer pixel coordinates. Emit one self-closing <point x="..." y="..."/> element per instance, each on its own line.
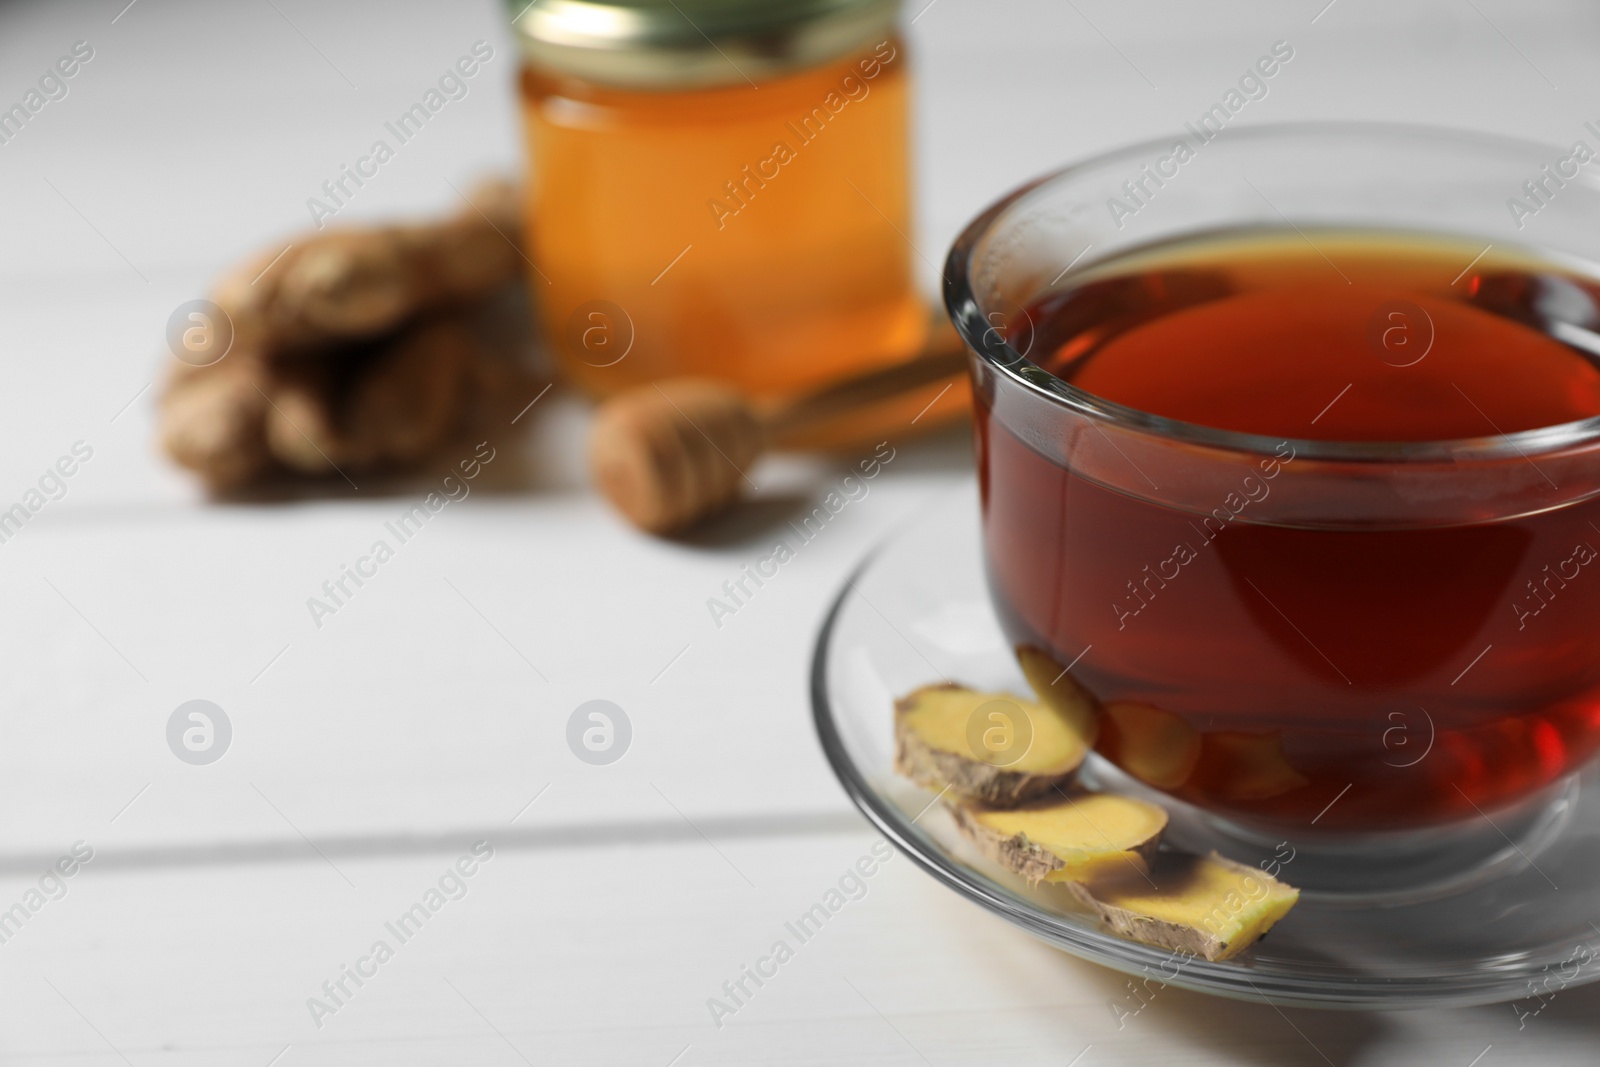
<point x="971" y="318"/>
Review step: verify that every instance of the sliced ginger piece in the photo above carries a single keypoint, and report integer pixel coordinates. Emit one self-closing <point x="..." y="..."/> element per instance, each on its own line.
<point x="1077" y="836"/>
<point x="1249" y="766"/>
<point x="1054" y="686"/>
<point x="1204" y="905"/>
<point x="992" y="748"/>
<point x="1154" y="745"/>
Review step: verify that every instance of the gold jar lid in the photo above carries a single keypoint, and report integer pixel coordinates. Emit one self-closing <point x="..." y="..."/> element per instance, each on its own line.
<point x="685" y="44"/>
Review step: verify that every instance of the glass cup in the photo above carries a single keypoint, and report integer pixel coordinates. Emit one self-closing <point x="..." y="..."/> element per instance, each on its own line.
<point x="1305" y="638"/>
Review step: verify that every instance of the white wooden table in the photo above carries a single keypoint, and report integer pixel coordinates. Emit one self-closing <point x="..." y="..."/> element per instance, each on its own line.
<point x="430" y="713"/>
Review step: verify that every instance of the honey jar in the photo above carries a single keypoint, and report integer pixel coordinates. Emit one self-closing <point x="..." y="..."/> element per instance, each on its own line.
<point x="719" y="188"/>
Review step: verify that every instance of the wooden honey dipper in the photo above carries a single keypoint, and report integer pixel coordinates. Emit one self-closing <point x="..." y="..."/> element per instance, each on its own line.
<point x="671" y="453"/>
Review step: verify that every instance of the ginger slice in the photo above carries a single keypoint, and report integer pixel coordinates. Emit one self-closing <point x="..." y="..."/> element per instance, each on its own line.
<point x="992" y="748"/>
<point x="1155" y="746"/>
<point x="1249" y="766"/>
<point x="1076" y="837"/>
<point x="1204" y="905"/>
<point x="1055" y="687"/>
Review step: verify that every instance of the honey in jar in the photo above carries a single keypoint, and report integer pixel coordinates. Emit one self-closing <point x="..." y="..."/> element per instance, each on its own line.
<point x="719" y="188"/>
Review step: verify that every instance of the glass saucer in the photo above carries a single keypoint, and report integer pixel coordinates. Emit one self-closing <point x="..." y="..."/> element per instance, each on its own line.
<point x="1516" y="919"/>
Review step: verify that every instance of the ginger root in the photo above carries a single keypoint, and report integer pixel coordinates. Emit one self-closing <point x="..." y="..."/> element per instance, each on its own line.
<point x="212" y="423"/>
<point x="991" y="748"/>
<point x="1074" y="837"/>
<point x="343" y="284"/>
<point x="401" y="401"/>
<point x="1204" y="905"/>
<point x="351" y="351"/>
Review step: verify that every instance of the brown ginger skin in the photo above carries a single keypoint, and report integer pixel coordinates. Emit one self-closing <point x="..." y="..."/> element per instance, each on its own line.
<point x="395" y="408"/>
<point x="408" y="403"/>
<point x="349" y="349"/>
<point x="346" y="283"/>
<point x="215" y="424"/>
<point x="1013" y="852"/>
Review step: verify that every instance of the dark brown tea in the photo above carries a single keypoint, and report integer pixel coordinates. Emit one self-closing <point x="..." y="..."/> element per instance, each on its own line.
<point x="1358" y="678"/>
